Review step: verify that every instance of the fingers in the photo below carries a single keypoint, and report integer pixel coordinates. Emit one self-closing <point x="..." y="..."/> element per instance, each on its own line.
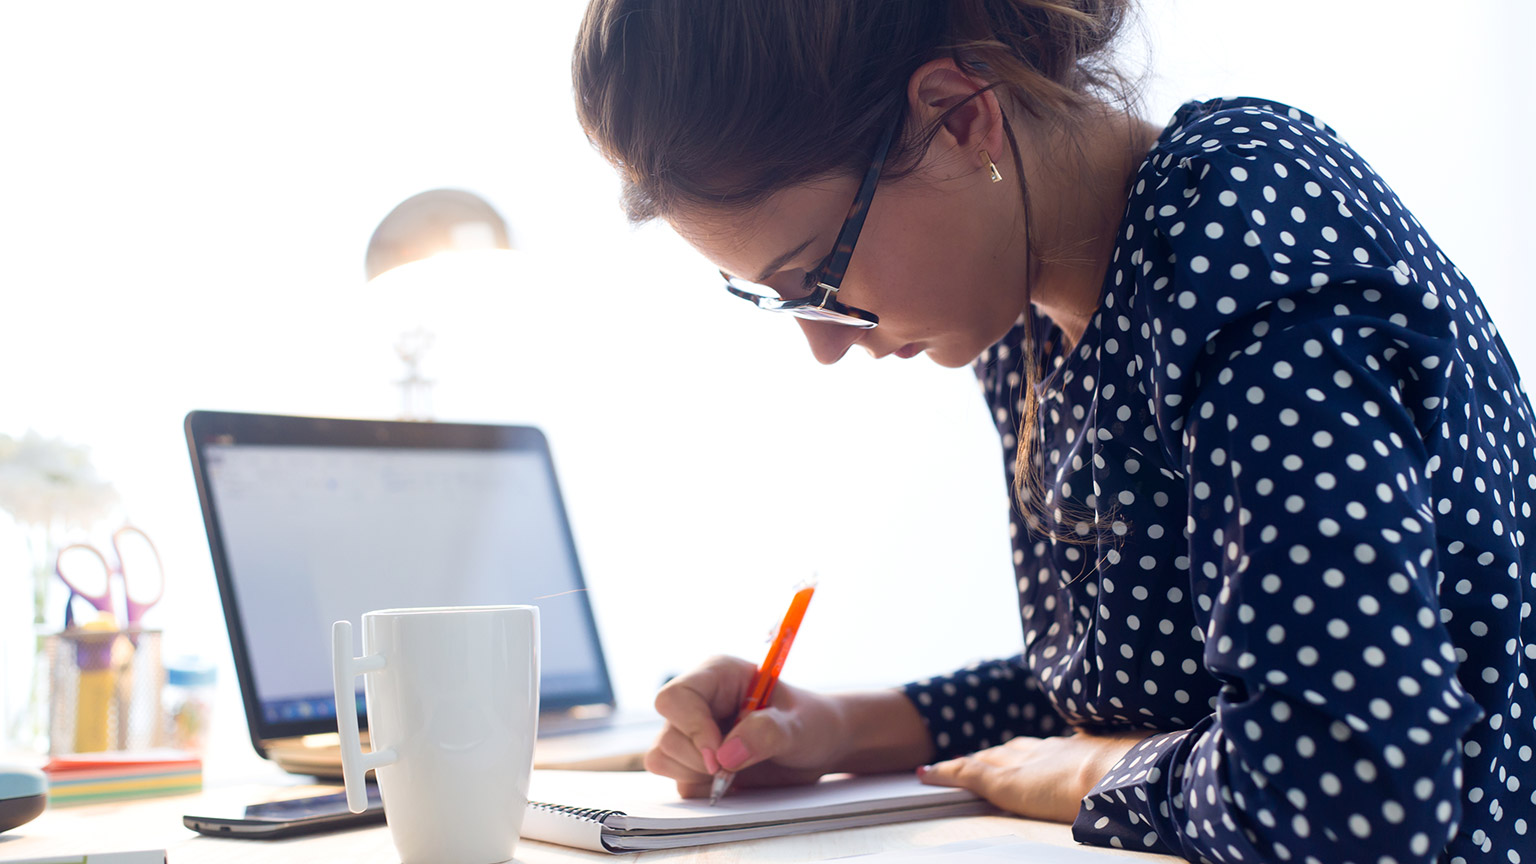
<point x="693" y="706"/>
<point x="690" y="784"/>
<point x="699" y="789"/>
<point x="758" y="738"/>
<point x="967" y="772"/>
<point x="1034" y="777"/>
<point x="695" y="703"/>
<point x="677" y="747"/>
<point x="984" y="772"/>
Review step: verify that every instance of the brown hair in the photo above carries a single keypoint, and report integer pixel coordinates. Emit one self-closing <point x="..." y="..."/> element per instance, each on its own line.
<point x="722" y="103"/>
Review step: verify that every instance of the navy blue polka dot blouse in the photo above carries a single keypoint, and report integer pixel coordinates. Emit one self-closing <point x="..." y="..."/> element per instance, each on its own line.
<point x="1312" y="465"/>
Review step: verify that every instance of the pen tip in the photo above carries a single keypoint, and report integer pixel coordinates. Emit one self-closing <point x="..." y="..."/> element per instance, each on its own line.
<point x="717" y="788"/>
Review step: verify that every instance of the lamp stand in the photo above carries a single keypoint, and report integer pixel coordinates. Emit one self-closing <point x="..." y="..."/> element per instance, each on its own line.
<point x="415" y="390"/>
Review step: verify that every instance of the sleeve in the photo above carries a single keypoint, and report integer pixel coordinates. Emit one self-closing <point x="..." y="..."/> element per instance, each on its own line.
<point x="981" y="706"/>
<point x="1307" y="371"/>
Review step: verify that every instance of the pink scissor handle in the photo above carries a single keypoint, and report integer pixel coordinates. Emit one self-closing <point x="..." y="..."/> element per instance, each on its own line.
<point x="137" y="606"/>
<point x="101" y="598"/>
<point x="344" y="669"/>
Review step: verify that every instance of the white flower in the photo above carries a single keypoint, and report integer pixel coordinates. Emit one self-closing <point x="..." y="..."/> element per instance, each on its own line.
<point x="44" y="481"/>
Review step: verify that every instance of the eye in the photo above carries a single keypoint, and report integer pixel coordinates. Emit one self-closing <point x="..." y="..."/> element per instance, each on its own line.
<point x="792" y="284"/>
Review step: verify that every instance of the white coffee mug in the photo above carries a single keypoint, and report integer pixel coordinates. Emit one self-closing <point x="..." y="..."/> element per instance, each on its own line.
<point x="453" y="705"/>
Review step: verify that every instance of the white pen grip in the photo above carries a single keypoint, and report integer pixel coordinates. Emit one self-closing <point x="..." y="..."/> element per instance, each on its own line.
<point x="344" y="670"/>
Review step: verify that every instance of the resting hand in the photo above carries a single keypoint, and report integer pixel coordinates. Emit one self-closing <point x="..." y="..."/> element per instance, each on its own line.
<point x="793" y="740"/>
<point x="1039" y="778"/>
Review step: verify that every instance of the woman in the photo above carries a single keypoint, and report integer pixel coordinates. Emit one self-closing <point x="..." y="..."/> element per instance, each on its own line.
<point x="1271" y="461"/>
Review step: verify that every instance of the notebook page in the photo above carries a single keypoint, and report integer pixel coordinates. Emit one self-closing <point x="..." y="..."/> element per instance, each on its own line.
<point x="649" y="802"/>
<point x="999" y="850"/>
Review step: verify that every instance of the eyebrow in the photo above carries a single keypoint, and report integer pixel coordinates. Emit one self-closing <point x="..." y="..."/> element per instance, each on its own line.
<point x="778" y="263"/>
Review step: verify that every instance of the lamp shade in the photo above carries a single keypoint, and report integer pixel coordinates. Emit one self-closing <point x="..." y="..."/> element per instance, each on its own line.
<point x="440" y="220"/>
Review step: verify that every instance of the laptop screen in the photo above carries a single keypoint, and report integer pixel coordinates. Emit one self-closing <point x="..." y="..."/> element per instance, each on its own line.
<point x="313" y="521"/>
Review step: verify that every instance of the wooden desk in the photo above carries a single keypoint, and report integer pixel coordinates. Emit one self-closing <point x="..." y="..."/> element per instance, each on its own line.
<point x="156" y="824"/>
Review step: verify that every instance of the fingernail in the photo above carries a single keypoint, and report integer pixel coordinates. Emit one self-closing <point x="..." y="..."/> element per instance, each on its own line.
<point x="711" y="764"/>
<point x="732" y="754"/>
<point x="922" y="771"/>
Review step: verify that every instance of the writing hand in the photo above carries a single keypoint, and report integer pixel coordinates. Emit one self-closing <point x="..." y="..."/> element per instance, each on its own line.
<point x="793" y="740"/>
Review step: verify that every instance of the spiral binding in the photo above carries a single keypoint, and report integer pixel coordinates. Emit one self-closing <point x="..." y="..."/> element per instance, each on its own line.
<point x="588" y="814"/>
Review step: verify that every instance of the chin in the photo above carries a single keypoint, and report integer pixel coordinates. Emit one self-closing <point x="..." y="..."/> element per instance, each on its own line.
<point x="949" y="359"/>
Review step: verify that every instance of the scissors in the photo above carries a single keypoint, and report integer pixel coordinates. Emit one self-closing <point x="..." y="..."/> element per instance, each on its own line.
<point x="88" y="572"/>
<point x="104" y="659"/>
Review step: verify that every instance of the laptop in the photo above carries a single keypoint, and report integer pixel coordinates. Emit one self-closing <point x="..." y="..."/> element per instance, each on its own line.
<point x="312" y="520"/>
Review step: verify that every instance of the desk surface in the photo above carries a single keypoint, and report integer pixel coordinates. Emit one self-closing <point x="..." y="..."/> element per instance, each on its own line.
<point x="156" y="824"/>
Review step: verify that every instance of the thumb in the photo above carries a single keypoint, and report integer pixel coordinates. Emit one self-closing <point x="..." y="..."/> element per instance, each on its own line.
<point x="759" y="737"/>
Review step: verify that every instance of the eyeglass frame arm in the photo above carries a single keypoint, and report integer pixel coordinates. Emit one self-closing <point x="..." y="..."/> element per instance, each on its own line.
<point x="831" y="276"/>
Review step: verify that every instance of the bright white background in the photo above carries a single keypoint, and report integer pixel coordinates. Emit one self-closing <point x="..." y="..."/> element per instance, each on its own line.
<point x="187" y="190"/>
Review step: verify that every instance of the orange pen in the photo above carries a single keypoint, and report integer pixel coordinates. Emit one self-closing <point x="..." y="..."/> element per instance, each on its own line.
<point x="767" y="676"/>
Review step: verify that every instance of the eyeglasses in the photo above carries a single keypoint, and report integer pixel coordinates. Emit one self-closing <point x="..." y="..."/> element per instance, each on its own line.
<point x="815" y="298"/>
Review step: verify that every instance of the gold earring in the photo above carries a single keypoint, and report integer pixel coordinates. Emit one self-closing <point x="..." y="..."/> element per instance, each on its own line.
<point x="992" y="167"/>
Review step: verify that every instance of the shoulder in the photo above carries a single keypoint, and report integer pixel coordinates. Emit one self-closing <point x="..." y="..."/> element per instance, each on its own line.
<point x="1251" y="217"/>
<point x="1269" y="165"/>
<point x="1243" y="202"/>
<point x="1237" y="124"/>
<point x="1266" y="160"/>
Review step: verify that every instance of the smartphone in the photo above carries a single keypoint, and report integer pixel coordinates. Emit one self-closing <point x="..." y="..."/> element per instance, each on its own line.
<point x="270" y="820"/>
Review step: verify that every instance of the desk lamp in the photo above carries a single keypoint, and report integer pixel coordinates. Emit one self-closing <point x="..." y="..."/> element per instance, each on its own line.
<point x="428" y="239"/>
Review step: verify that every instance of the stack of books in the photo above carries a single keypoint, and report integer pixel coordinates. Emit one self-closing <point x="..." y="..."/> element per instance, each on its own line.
<point x="86" y="778"/>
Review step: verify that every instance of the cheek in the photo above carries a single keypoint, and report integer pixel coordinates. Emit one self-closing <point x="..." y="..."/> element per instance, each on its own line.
<point x="924" y="286"/>
<point x="907" y="269"/>
<point x="930" y="267"/>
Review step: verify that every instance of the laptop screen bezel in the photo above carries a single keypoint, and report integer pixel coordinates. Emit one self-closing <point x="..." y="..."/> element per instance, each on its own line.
<point x="206" y="428"/>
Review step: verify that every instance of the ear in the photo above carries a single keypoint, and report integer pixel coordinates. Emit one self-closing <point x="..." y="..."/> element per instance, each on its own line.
<point x="977" y="125"/>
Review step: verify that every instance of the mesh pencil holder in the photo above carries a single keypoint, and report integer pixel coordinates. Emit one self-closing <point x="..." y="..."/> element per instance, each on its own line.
<point x="104" y="690"/>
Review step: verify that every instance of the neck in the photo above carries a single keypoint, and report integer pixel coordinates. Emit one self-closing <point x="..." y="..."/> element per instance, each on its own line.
<point x="1080" y="179"/>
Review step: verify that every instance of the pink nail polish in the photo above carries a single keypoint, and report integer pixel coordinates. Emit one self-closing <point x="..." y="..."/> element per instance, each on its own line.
<point x="711" y="764"/>
<point x="922" y="771"/>
<point x="732" y="754"/>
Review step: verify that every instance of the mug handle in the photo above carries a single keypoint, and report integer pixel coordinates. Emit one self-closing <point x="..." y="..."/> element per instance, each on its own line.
<point x="354" y="762"/>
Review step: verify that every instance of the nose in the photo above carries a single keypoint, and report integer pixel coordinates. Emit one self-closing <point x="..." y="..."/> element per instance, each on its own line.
<point x="829" y="342"/>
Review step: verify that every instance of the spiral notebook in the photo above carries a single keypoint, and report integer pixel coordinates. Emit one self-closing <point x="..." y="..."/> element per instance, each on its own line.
<point x="628" y="811"/>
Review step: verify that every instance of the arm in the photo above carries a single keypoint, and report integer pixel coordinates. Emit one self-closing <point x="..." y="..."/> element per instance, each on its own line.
<point x="1340" y="717"/>
<point x="883" y="732"/>
<point x="981" y="706"/>
<point x="1296" y="376"/>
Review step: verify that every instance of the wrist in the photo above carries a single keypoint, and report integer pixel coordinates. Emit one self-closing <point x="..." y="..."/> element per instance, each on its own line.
<point x="1110" y="751"/>
<point x="877" y="731"/>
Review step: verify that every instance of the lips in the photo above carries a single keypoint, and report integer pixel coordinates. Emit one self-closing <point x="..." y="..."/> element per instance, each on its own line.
<point x="911" y="349"/>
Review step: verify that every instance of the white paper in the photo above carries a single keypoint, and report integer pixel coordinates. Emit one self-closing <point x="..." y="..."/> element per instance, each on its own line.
<point x="651" y="802"/>
<point x="993" y="850"/>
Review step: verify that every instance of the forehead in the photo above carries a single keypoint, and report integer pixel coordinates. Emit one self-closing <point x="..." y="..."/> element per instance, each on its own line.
<point x="742" y="241"/>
